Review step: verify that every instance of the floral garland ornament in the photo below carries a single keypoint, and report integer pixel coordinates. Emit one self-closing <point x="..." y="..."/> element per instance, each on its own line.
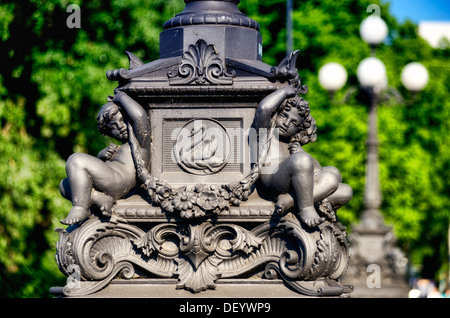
<point x="201" y="200"/>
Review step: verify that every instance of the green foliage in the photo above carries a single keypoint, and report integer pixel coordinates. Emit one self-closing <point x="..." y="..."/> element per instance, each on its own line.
<point x="29" y="202"/>
<point x="52" y="83"/>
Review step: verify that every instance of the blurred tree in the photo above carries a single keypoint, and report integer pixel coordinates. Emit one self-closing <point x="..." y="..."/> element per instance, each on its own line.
<point x="53" y="84"/>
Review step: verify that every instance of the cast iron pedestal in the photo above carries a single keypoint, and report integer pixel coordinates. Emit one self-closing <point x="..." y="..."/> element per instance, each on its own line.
<point x="192" y="226"/>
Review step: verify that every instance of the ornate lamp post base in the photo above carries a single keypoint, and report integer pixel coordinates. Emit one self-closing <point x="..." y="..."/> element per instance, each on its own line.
<point x="202" y="255"/>
<point x="180" y="201"/>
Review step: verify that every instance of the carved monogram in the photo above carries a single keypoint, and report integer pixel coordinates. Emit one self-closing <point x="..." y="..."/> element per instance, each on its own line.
<point x="202" y="147"/>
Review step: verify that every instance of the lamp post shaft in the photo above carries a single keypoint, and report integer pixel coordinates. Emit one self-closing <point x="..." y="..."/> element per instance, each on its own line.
<point x="372" y="190"/>
<point x="289" y="26"/>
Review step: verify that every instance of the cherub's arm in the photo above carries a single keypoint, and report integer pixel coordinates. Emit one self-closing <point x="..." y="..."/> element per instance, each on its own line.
<point x="108" y="152"/>
<point x="270" y="104"/>
<point x="137" y="118"/>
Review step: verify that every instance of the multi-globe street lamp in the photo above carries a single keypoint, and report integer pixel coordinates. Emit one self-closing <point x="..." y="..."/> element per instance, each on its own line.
<point x="372" y="77"/>
<point x="373" y="242"/>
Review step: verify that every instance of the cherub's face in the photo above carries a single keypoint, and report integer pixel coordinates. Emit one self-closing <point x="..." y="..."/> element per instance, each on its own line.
<point x="117" y="127"/>
<point x="288" y="122"/>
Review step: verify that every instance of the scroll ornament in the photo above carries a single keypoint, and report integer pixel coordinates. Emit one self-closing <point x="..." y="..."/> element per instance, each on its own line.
<point x="198" y="254"/>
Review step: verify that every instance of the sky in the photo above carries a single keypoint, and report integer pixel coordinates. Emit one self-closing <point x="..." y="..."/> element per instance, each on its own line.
<point x="420" y="10"/>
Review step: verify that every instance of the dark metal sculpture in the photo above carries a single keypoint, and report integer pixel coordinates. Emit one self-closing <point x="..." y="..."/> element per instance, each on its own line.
<point x="112" y="174"/>
<point x="211" y="180"/>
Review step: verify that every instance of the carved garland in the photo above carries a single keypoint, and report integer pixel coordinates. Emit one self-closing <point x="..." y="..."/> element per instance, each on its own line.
<point x="201" y="200"/>
<point x="204" y="199"/>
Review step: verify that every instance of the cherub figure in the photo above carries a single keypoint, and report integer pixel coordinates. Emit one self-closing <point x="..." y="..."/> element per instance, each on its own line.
<point x="111" y="175"/>
<point x="287" y="171"/>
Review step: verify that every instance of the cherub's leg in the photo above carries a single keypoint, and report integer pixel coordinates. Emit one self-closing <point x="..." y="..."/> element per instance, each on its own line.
<point x="80" y="186"/>
<point x="302" y="181"/>
<point x="103" y="201"/>
<point x="296" y="173"/>
<point x="333" y="170"/>
<point x="343" y="192"/>
<point x="83" y="171"/>
<point x="341" y="196"/>
<point x="285" y="201"/>
<point x="64" y="189"/>
<point x="325" y="183"/>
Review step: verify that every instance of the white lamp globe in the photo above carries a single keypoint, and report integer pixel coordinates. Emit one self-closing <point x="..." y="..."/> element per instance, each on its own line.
<point x="414" y="76"/>
<point x="371" y="72"/>
<point x="373" y="30"/>
<point x="332" y="76"/>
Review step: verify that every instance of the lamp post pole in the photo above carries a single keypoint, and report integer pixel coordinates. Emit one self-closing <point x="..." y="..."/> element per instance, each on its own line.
<point x="289" y="26"/>
<point x="372" y="216"/>
<point x="373" y="78"/>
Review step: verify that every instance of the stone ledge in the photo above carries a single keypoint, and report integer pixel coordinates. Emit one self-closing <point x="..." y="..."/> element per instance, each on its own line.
<point x="137" y="209"/>
<point x="166" y="288"/>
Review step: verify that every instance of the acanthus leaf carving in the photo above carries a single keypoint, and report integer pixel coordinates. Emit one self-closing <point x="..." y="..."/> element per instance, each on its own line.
<point x="201" y="64"/>
<point x="198" y="279"/>
<point x="200" y="249"/>
<point x="244" y="240"/>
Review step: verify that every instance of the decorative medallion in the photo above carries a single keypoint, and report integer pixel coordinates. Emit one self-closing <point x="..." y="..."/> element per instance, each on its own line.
<point x="202" y="147"/>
